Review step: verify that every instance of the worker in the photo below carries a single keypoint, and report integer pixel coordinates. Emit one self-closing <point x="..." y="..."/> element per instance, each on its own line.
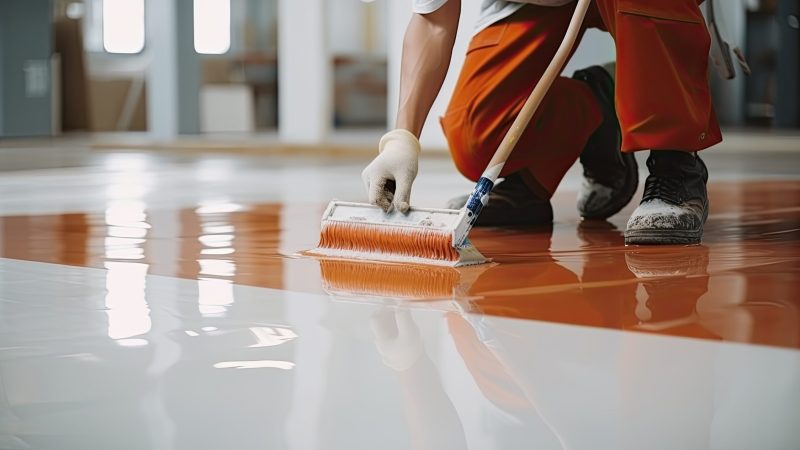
<point x="656" y="98"/>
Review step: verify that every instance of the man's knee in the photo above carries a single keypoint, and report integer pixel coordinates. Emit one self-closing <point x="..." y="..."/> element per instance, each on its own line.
<point x="469" y="144"/>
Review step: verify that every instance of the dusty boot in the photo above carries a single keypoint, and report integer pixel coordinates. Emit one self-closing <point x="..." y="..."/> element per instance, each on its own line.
<point x="674" y="206"/>
<point x="511" y="202"/>
<point x="610" y="177"/>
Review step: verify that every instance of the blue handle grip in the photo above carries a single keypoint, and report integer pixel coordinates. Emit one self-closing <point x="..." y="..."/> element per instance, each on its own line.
<point x="477" y="200"/>
<point x="475" y="203"/>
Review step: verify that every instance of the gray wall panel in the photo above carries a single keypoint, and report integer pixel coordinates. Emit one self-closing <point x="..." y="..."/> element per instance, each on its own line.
<point x="25" y="93"/>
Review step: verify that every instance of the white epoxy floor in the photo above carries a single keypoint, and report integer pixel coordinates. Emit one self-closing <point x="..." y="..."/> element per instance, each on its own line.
<point x="119" y="358"/>
<point x="91" y="359"/>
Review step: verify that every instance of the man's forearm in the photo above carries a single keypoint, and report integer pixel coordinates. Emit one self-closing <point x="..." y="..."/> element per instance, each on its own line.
<point x="427" y="47"/>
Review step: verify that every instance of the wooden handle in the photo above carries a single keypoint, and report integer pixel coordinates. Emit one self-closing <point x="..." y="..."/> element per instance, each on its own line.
<point x="533" y="101"/>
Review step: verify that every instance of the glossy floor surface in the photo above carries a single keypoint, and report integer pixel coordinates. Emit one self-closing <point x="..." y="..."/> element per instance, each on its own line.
<point x="158" y="301"/>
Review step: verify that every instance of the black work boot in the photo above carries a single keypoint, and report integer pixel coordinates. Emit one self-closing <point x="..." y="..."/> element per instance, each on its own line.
<point x="610" y="177"/>
<point x="674" y="206"/>
<point x="511" y="202"/>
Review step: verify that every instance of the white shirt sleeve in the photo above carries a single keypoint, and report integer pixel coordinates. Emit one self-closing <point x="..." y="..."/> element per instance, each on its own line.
<point x="426" y="6"/>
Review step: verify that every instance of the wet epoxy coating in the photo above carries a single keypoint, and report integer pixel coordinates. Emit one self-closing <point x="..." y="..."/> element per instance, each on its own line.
<point x="740" y="285"/>
<point x="144" y="324"/>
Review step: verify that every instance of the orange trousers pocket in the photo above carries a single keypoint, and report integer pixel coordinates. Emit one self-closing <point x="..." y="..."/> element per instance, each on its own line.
<point x="677" y="10"/>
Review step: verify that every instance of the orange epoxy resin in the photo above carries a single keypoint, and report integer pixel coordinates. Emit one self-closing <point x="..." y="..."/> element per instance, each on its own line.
<point x="739" y="285"/>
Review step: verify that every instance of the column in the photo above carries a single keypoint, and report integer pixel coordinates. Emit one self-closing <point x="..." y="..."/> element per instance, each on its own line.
<point x="173" y="75"/>
<point x="305" y="76"/>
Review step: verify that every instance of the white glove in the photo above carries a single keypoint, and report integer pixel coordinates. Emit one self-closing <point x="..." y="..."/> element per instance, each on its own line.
<point x="389" y="176"/>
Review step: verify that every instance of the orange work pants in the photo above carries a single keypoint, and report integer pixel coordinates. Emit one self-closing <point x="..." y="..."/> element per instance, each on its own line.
<point x="662" y="95"/>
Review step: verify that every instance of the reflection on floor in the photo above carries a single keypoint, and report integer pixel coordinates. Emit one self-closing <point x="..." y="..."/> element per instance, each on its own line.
<point x="146" y="315"/>
<point x="740" y="285"/>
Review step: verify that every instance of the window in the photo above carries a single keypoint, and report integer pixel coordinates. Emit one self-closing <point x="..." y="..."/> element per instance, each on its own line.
<point x="123" y="26"/>
<point x="212" y="26"/>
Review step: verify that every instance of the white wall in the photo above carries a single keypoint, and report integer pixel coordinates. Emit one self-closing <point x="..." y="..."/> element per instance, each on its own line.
<point x="347" y="30"/>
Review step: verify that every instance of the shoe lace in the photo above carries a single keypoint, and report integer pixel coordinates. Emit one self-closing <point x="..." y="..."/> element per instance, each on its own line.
<point x="663" y="188"/>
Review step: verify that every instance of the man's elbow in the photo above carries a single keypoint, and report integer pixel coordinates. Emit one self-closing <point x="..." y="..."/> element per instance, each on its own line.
<point x="444" y="19"/>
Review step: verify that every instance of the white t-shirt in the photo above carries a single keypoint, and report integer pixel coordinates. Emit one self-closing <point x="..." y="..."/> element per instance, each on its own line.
<point x="491" y="10"/>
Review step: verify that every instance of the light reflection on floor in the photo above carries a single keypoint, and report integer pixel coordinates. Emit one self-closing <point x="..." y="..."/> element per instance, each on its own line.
<point x="740" y="285"/>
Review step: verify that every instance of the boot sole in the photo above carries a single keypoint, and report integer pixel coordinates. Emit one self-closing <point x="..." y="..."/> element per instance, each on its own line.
<point x="665" y="237"/>
<point x="628" y="190"/>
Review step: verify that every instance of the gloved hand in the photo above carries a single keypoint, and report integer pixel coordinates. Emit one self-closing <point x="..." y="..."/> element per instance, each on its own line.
<point x="389" y="176"/>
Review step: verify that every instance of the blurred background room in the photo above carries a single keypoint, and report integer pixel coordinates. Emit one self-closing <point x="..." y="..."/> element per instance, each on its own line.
<point x="144" y="72"/>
